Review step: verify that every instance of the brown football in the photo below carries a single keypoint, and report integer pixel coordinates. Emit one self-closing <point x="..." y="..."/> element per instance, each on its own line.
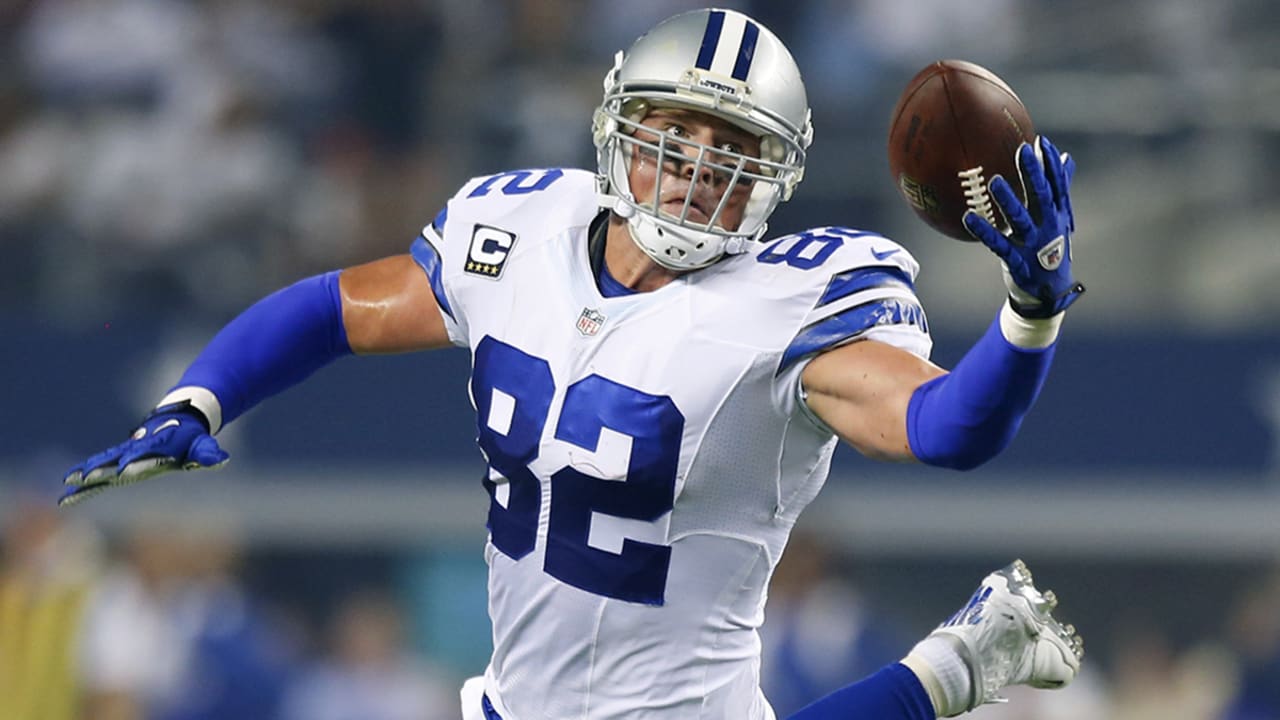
<point x="955" y="127"/>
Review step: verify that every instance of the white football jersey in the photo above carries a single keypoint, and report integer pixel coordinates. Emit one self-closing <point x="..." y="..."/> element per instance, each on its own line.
<point x="648" y="453"/>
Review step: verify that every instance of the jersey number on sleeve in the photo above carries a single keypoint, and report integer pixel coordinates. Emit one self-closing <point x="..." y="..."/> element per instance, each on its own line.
<point x="809" y="249"/>
<point x="513" y="392"/>
<point x="518" y="182"/>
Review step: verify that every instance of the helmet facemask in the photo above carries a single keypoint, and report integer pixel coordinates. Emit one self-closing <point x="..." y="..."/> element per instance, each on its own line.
<point x="696" y="239"/>
<point x="684" y="239"/>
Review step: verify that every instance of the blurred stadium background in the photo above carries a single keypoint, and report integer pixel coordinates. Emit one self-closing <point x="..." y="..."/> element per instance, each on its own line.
<point x="163" y="163"/>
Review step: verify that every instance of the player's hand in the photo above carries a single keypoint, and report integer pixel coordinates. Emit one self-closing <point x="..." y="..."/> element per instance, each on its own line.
<point x="1037" y="251"/>
<point x="173" y="437"/>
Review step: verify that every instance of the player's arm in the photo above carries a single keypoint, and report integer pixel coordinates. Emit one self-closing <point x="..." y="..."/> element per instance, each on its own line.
<point x="862" y="390"/>
<point x="892" y="405"/>
<point x="384" y="306"/>
<point x="387" y="307"/>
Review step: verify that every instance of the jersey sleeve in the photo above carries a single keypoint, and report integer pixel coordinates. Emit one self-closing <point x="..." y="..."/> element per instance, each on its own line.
<point x="427" y="252"/>
<point x="866" y="291"/>
<point x="466" y="248"/>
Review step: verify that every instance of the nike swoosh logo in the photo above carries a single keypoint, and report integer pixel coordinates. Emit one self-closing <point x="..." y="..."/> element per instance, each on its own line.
<point x="882" y="254"/>
<point x="166" y="424"/>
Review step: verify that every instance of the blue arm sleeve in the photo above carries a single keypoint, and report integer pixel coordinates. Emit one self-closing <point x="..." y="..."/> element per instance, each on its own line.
<point x="965" y="418"/>
<point x="275" y="344"/>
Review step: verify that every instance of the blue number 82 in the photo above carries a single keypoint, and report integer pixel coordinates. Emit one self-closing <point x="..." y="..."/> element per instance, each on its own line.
<point x="809" y="249"/>
<point x="513" y="392"/>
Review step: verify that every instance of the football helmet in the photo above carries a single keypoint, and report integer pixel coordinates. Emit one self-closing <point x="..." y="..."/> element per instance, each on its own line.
<point x="725" y="64"/>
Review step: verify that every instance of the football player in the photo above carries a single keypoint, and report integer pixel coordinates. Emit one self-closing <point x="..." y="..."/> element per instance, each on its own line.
<point x="659" y="392"/>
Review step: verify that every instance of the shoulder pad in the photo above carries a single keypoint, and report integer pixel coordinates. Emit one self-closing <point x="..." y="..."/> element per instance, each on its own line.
<point x="817" y="255"/>
<point x="851" y="283"/>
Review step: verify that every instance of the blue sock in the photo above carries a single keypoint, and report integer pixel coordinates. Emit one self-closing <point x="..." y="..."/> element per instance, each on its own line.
<point x="893" y="693"/>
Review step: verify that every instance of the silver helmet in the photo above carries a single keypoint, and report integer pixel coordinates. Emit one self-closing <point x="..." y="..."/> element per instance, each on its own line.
<point x="719" y="62"/>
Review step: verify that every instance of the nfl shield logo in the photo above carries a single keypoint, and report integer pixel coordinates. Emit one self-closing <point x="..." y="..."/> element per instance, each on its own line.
<point x="1050" y="256"/>
<point x="589" y="321"/>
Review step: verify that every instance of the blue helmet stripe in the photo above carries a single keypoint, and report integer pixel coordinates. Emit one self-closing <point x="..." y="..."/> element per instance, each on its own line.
<point x="710" y="39"/>
<point x="746" y="51"/>
<point x="849" y="282"/>
<point x="845" y="326"/>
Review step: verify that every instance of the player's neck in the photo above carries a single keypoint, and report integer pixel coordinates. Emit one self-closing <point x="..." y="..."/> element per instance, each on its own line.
<point x="628" y="264"/>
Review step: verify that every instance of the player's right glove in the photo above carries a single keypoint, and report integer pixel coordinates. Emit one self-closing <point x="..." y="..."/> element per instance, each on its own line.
<point x="172" y="437"/>
<point x="1037" y="251"/>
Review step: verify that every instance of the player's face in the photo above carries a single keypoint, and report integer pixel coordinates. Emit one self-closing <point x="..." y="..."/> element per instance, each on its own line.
<point x="709" y="179"/>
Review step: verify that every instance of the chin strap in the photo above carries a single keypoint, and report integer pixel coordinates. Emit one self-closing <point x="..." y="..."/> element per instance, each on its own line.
<point x="615" y="204"/>
<point x="733" y="245"/>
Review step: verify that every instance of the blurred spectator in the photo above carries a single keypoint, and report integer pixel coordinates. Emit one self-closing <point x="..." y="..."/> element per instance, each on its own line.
<point x="171" y="636"/>
<point x="152" y="151"/>
<point x="369" y="674"/>
<point x="1254" y="633"/>
<point x="133" y="654"/>
<point x="533" y="108"/>
<point x="47" y="569"/>
<point x="820" y="631"/>
<point x="239" y="660"/>
<point x="1153" y="680"/>
<point x="387" y="48"/>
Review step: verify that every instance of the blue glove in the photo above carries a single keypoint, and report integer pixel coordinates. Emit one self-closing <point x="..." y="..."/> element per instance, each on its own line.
<point x="172" y="437"/>
<point x="1037" y="251"/>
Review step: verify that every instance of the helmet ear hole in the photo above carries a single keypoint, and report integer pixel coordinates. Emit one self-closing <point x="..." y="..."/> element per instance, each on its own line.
<point x="634" y="109"/>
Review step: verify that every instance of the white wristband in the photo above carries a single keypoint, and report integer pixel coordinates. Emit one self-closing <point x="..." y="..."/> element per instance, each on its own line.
<point x="201" y="399"/>
<point x="1028" y="333"/>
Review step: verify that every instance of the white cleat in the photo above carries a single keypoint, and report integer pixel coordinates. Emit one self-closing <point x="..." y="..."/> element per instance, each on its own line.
<point x="1007" y="636"/>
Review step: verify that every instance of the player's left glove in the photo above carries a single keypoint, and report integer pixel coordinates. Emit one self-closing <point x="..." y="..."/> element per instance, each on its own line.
<point x="1037" y="251"/>
<point x="172" y="437"/>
